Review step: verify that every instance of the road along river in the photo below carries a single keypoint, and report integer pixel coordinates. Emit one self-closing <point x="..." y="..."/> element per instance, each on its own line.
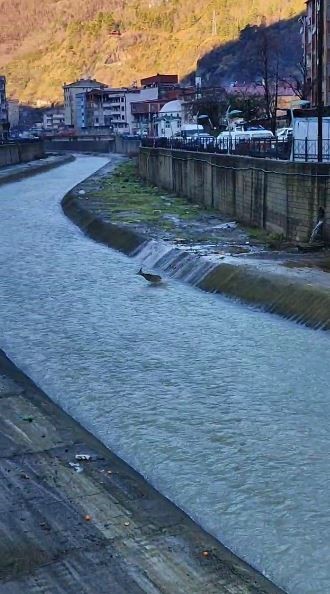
<point x="226" y="410"/>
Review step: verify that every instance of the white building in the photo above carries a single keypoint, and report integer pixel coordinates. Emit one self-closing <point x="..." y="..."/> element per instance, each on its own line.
<point x="13" y="113"/>
<point x="170" y="119"/>
<point x="70" y="92"/>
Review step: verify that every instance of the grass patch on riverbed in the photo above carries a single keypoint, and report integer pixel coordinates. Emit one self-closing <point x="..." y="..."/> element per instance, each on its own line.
<point x="132" y="200"/>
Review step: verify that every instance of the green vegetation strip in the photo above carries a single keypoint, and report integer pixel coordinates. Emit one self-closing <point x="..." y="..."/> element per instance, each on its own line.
<point x="131" y="200"/>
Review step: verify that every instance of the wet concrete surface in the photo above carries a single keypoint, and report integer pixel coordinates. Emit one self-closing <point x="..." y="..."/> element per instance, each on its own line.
<point x="97" y="526"/>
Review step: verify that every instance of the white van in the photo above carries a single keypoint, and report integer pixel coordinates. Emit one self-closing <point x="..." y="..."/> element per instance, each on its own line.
<point x="189" y="131"/>
<point x="240" y="134"/>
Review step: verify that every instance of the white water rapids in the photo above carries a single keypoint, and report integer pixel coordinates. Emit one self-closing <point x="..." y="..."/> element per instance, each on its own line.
<point x="224" y="409"/>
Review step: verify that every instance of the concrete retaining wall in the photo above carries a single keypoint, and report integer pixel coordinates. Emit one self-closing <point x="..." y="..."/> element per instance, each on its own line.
<point x="21" y="152"/>
<point x="278" y="196"/>
<point x="117" y="144"/>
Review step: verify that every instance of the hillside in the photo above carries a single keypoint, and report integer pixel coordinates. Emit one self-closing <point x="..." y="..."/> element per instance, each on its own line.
<point x="40" y="48"/>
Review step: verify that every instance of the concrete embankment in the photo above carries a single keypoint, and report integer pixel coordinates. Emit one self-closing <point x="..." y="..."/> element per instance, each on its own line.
<point x="21" y="152"/>
<point x="93" y="525"/>
<point x="19" y="171"/>
<point x="278" y="196"/>
<point x="275" y="289"/>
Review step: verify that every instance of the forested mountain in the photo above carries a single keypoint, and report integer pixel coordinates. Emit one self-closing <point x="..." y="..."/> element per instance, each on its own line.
<point x="43" y="44"/>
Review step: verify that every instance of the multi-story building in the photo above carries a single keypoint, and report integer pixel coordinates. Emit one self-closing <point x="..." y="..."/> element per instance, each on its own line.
<point x="13" y="112"/>
<point x="70" y="91"/>
<point x="53" y="120"/>
<point x="111" y="109"/>
<point x="91" y="106"/>
<point x="144" y="114"/>
<point x="310" y="39"/>
<point x="4" y="122"/>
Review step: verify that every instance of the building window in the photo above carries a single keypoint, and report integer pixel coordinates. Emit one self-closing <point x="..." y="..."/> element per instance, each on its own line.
<point x="122" y="117"/>
<point x="122" y="108"/>
<point x="122" y="99"/>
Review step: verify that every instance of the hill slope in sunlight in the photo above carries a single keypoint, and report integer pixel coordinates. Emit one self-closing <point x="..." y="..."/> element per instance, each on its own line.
<point x="42" y="47"/>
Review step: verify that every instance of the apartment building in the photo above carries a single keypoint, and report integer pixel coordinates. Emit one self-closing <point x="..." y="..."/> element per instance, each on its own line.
<point x="53" y="120"/>
<point x="310" y="40"/>
<point x="13" y="112"/>
<point x="144" y="115"/>
<point x="4" y="122"/>
<point x="70" y="91"/>
<point x="111" y="109"/>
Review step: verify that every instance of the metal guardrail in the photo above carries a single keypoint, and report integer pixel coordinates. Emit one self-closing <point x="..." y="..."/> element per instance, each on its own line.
<point x="263" y="148"/>
<point x="294" y="149"/>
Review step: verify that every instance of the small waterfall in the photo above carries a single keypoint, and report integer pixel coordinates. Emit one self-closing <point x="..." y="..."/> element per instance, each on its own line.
<point x="174" y="261"/>
<point x="317" y="233"/>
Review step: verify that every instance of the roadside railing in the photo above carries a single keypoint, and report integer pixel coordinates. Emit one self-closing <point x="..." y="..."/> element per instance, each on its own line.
<point x="303" y="150"/>
<point x="263" y="148"/>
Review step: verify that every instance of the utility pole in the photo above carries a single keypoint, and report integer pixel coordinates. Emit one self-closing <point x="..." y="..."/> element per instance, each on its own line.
<point x="320" y="52"/>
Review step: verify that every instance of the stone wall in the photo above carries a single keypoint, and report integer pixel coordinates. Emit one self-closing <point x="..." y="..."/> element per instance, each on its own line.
<point x="279" y="196"/>
<point x="21" y="152"/>
<point x="90" y="144"/>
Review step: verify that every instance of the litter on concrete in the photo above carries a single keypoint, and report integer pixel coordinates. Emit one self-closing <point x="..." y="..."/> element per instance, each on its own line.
<point x="76" y="467"/>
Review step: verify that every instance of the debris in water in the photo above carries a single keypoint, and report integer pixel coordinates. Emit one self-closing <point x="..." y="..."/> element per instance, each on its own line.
<point x="83" y="457"/>
<point x="87" y="518"/>
<point x="126" y="523"/>
<point x="81" y="192"/>
<point x="28" y="419"/>
<point x="205" y="553"/>
<point x="76" y="467"/>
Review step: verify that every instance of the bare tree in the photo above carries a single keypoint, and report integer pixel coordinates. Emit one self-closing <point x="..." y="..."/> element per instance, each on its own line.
<point x="299" y="82"/>
<point x="268" y="57"/>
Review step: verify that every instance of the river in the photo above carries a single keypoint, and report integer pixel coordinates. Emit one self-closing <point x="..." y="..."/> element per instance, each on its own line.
<point x="226" y="410"/>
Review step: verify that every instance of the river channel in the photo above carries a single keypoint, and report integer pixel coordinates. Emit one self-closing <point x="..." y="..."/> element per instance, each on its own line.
<point x="226" y="410"/>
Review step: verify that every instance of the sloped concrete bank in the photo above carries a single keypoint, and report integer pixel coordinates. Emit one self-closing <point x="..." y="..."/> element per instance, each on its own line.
<point x="283" y="294"/>
<point x="20" y="171"/>
<point x="93" y="525"/>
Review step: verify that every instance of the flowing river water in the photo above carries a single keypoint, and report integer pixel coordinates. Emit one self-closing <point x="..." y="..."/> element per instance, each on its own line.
<point x="225" y="409"/>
